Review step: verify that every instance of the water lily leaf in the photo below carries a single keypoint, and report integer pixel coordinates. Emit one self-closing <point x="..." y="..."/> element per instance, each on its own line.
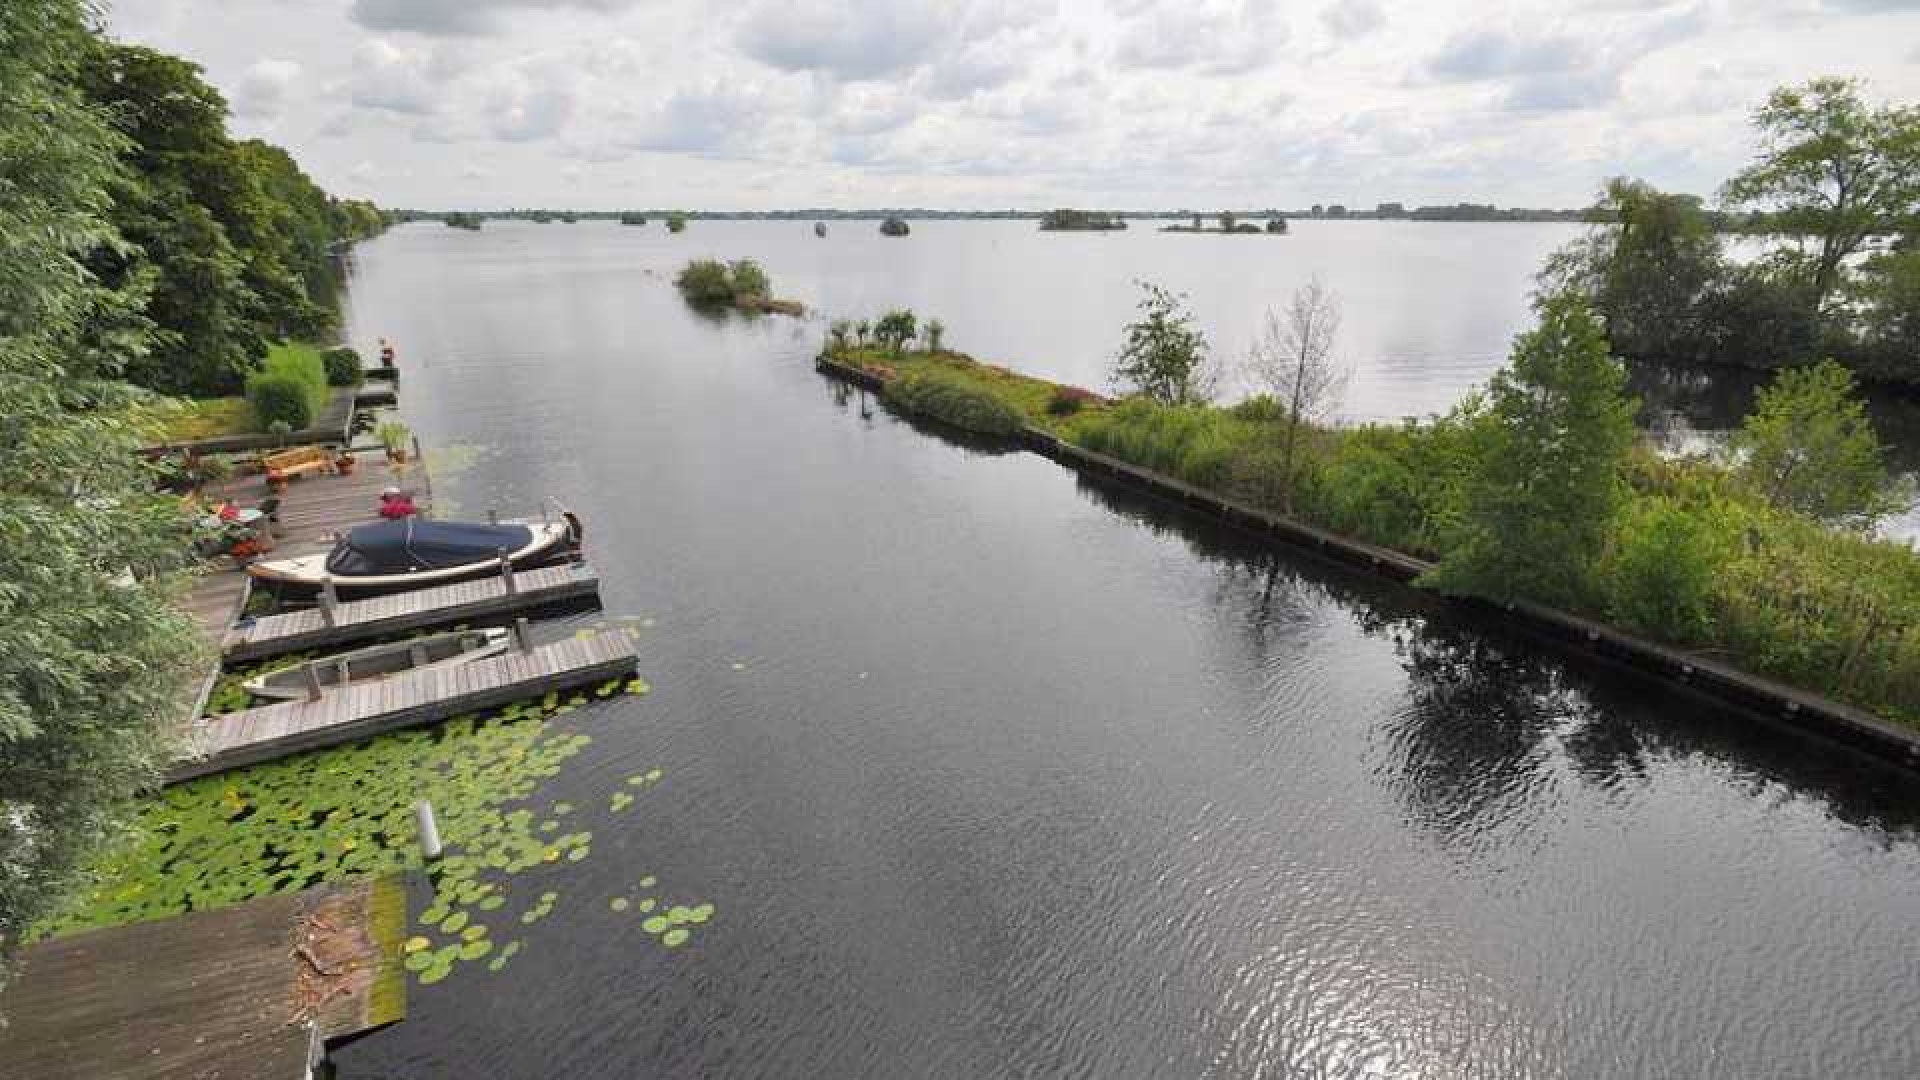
<point x="619" y="903"/>
<point x="474" y="950"/>
<point x="655" y="924"/>
<point x="454" y="922"/>
<point x="416" y="943"/>
<point x="674" y="937"/>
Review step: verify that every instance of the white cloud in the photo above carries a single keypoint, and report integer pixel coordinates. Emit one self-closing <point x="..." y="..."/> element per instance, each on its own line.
<point x="263" y="90"/>
<point x="1016" y="102"/>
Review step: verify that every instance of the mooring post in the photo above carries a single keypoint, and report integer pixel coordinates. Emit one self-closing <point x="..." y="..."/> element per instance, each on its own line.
<point x="522" y="635"/>
<point x="506" y="573"/>
<point x="329" y="599"/>
<point x="429" y="829"/>
<point x="493" y="515"/>
<point x="314" y="689"/>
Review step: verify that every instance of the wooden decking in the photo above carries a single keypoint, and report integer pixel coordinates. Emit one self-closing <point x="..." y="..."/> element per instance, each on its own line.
<point x="359" y="620"/>
<point x="376" y="392"/>
<point x="225" y="993"/>
<point x="311" y="511"/>
<point x="420" y="697"/>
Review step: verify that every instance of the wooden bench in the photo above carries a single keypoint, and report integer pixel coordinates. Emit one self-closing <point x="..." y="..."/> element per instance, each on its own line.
<point x="287" y="464"/>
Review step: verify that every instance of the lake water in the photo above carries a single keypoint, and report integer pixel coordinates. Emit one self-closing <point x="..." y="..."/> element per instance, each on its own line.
<point x="992" y="772"/>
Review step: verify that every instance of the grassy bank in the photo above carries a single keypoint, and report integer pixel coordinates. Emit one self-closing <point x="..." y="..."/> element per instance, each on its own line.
<point x="1694" y="558"/>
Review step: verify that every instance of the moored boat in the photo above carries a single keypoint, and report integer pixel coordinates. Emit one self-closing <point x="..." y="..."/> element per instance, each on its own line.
<point x="412" y="553"/>
<point x="380" y="662"/>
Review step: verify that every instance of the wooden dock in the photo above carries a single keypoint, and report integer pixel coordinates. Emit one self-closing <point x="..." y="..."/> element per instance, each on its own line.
<point x="251" y="991"/>
<point x="359" y="620"/>
<point x="420" y="697"/>
<point x="376" y="392"/>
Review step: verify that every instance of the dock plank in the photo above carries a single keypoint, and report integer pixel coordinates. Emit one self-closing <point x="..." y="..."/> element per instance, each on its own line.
<point x="360" y="620"/>
<point x="366" y="709"/>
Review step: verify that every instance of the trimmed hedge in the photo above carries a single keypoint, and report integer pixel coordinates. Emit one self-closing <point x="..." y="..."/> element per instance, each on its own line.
<point x="280" y="397"/>
<point x="947" y="399"/>
<point x="343" y="366"/>
<point x="291" y="386"/>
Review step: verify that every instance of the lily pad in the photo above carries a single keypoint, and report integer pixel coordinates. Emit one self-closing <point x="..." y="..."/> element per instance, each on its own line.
<point x="655" y="924"/>
<point x="416" y="943"/>
<point x="454" y="922"/>
<point x="674" y="937"/>
<point x="474" y="950"/>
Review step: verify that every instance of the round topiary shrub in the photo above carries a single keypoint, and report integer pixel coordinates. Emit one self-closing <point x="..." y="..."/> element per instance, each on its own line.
<point x="343" y="366"/>
<point x="282" y="398"/>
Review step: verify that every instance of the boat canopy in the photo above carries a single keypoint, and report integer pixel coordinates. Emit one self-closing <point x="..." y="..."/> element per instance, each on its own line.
<point x="410" y="544"/>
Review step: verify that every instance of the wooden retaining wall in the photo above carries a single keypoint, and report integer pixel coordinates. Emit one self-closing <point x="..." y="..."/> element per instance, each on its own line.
<point x="1789" y="705"/>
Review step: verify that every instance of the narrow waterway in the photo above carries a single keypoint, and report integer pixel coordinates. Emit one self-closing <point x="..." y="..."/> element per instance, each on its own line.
<point x="990" y="772"/>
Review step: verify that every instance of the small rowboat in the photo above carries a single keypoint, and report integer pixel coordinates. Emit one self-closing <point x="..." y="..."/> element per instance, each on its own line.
<point x="379" y="662"/>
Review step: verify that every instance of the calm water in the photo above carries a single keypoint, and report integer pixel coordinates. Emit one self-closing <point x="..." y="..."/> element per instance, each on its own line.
<point x="991" y="772"/>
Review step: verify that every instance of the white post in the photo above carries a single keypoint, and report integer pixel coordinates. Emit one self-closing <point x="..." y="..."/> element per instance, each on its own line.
<point x="506" y="573"/>
<point x="522" y="635"/>
<point x="314" y="690"/>
<point x="429" y="829"/>
<point x="329" y="599"/>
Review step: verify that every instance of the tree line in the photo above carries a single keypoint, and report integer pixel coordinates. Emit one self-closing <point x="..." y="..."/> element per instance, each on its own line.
<point x="142" y="249"/>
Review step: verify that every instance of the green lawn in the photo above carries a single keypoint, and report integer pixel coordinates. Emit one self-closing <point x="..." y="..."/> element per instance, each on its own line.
<point x="1023" y="392"/>
<point x="208" y="418"/>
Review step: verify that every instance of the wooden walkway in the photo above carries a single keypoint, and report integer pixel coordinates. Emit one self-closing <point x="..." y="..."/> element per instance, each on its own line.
<point x="359" y="620"/>
<point x="224" y="993"/>
<point x="421" y="697"/>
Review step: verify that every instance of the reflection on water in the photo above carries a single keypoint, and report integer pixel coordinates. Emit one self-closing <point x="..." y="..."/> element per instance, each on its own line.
<point x="997" y="771"/>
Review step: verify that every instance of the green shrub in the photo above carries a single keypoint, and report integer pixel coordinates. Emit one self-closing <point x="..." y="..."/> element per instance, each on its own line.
<point x="290" y="386"/>
<point x="705" y="281"/>
<point x="1658" y="577"/>
<point x="1067" y="400"/>
<point x="343" y="366"/>
<point x="748" y="279"/>
<point x="281" y="398"/>
<point x="895" y="329"/>
<point x="946" y="398"/>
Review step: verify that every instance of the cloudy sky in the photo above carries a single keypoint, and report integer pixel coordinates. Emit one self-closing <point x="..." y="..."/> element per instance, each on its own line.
<point x="603" y="104"/>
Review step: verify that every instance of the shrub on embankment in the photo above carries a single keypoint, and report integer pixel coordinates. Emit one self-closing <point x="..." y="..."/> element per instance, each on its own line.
<point x="741" y="284"/>
<point x="947" y="399"/>
<point x="1694" y="557"/>
<point x="291" y="386"/>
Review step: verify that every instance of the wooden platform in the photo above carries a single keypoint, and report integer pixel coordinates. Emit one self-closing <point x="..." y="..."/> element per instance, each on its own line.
<point x="224" y="993"/>
<point x="360" y="620"/>
<point x="420" y="697"/>
<point x="376" y="392"/>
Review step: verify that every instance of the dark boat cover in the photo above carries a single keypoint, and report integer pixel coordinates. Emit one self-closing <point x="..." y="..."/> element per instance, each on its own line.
<point x="409" y="544"/>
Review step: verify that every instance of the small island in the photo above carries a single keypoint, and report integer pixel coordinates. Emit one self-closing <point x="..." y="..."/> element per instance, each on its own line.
<point x="741" y="285"/>
<point x="461" y="220"/>
<point x="633" y="219"/>
<point x="1230" y="224"/>
<point x="894" y="226"/>
<point x="676" y="223"/>
<point x="1064" y="220"/>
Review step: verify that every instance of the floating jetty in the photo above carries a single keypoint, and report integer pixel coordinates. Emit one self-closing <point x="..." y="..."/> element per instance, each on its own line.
<point x="333" y="624"/>
<point x="249" y="992"/>
<point x="360" y="710"/>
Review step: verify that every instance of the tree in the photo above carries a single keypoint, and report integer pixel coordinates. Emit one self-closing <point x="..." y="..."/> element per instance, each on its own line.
<point x="895" y="329"/>
<point x="1164" y="356"/>
<point x="1293" y="360"/>
<point x="1227" y="221"/>
<point x="1549" y="471"/>
<point x="94" y="655"/>
<point x="1648" y="270"/>
<point x="1808" y="446"/>
<point x="747" y="278"/>
<point x="1887" y="294"/>
<point x="1834" y="169"/>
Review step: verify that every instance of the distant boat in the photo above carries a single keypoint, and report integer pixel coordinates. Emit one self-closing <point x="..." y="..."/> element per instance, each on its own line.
<point x="378" y="662"/>
<point x="819" y="228"/>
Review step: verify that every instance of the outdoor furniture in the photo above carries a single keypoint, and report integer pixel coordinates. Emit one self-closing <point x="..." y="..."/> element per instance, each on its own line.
<point x="287" y="464"/>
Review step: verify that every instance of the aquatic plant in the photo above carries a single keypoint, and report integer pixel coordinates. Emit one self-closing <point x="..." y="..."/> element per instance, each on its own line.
<point x="348" y="812"/>
<point x="946" y="398"/>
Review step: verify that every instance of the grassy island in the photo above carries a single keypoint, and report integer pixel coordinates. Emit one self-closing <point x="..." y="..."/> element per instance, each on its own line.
<point x="741" y="285"/>
<point x="1230" y="225"/>
<point x="1081" y="221"/>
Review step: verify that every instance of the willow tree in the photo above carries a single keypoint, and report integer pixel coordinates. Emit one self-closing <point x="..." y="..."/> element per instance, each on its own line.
<point x="94" y="655"/>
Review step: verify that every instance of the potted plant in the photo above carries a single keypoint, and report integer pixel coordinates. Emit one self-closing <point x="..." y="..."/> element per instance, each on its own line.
<point x="345" y="462"/>
<point x="394" y="436"/>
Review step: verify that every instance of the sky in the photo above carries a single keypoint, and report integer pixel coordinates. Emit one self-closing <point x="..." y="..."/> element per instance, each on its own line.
<point x="981" y="104"/>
